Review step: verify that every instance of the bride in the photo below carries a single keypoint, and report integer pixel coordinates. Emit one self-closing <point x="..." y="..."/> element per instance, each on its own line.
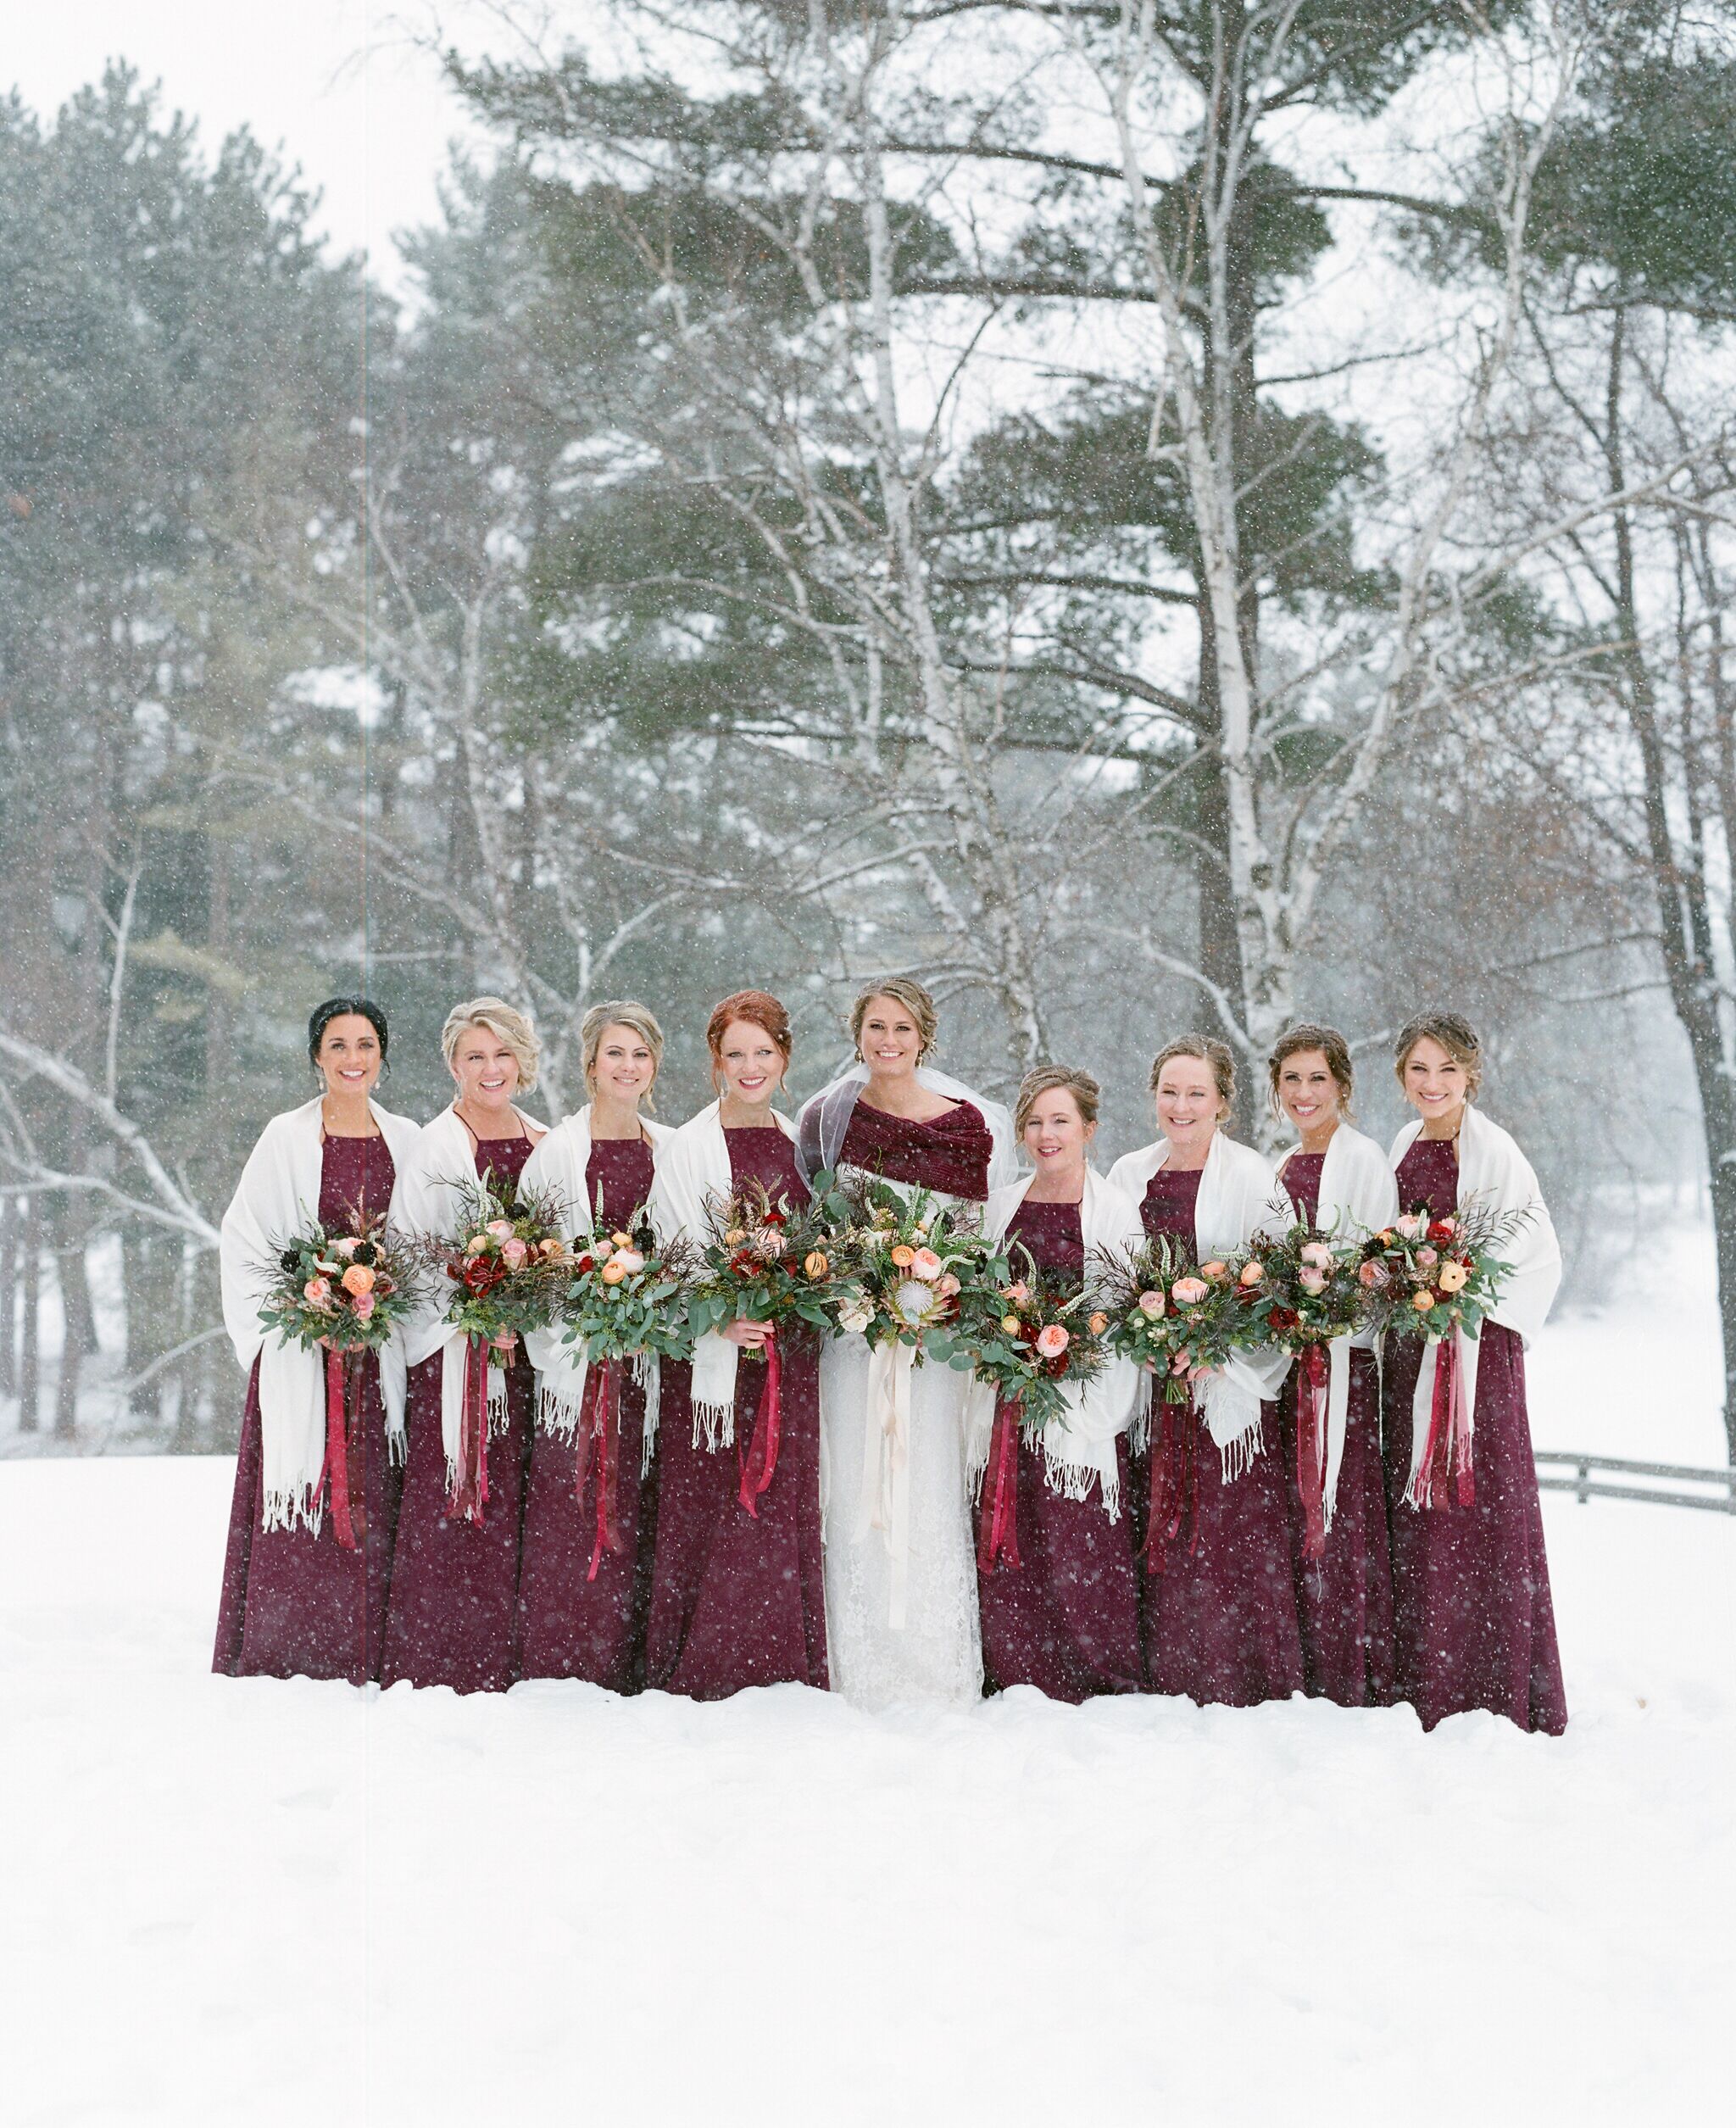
<point x="900" y="1567"/>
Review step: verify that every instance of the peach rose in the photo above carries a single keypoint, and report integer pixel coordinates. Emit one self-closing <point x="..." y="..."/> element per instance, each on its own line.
<point x="1010" y="1323"/>
<point x="552" y="1246"/>
<point x="613" y="1271"/>
<point x="1410" y="1225"/>
<point x="1019" y="1291"/>
<point x="1099" y="1324"/>
<point x="1190" y="1292"/>
<point x="358" y="1278"/>
<point x="1318" y="1254"/>
<point x="500" y="1228"/>
<point x="902" y="1255"/>
<point x="629" y="1260"/>
<point x="1311" y="1279"/>
<point x="346" y="1248"/>
<point x="1052" y="1341"/>
<point x="926" y="1265"/>
<point x="622" y="1240"/>
<point x="1214" y="1271"/>
<point x="1452" y="1277"/>
<point x="1373" y="1275"/>
<point x="1251" y="1272"/>
<point x="476" y="1243"/>
<point x="317" y="1293"/>
<point x="947" y="1286"/>
<point x="815" y="1263"/>
<point x="1422" y="1300"/>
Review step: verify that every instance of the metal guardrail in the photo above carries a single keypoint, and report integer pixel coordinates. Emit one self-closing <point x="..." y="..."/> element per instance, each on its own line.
<point x="1584" y="1487"/>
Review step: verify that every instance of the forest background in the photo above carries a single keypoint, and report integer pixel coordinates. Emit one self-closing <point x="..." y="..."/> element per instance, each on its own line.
<point x="1145" y="517"/>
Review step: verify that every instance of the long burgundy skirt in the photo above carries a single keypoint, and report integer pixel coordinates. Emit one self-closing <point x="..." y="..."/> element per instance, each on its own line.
<point x="455" y="1584"/>
<point x="296" y="1605"/>
<point x="569" y="1623"/>
<point x="1066" y="1618"/>
<point x="1344" y="1599"/>
<point x="739" y="1599"/>
<point x="1474" y="1621"/>
<point x="1220" y="1617"/>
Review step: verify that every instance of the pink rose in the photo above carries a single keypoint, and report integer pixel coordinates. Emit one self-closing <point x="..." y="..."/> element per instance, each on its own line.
<point x="926" y="1265"/>
<point x="317" y="1293"/>
<point x="1318" y="1254"/>
<point x="1428" y="1256"/>
<point x="1190" y="1292"/>
<point x="513" y="1250"/>
<point x="1151" y="1304"/>
<point x="1052" y="1341"/>
<point x="1311" y="1279"/>
<point x="363" y="1307"/>
<point x="1408" y="1225"/>
<point x="346" y="1248"/>
<point x="1373" y="1274"/>
<point x="948" y="1285"/>
<point x="500" y="1228"/>
<point x="629" y="1260"/>
<point x="1019" y="1292"/>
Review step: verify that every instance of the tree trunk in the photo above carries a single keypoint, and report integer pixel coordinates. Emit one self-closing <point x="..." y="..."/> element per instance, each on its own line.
<point x="8" y="1295"/>
<point x="80" y="1328"/>
<point x="30" y="1341"/>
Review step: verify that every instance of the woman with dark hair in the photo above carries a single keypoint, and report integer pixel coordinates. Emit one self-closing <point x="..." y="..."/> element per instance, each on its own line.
<point x="295" y="1600"/>
<point x="1329" y="1412"/>
<point x="1474" y="1622"/>
<point x="738" y="1593"/>
<point x="1219" y="1600"/>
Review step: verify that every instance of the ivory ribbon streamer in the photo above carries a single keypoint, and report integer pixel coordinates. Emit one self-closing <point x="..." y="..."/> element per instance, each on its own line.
<point x="998" y="1517"/>
<point x="761" y="1458"/>
<point x="1175" y="1481"/>
<point x="470" y="1488"/>
<point x="342" y="1467"/>
<point x="1310" y="1447"/>
<point x="601" y="1424"/>
<point x="886" y="1465"/>
<point x="1446" y="1456"/>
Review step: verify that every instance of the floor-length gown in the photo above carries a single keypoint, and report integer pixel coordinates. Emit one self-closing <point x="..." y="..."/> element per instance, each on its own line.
<point x="1218" y="1600"/>
<point x="294" y="1604"/>
<point x="456" y="1583"/>
<point x="1474" y="1621"/>
<point x="740" y="1599"/>
<point x="1344" y="1598"/>
<point x="937" y="1652"/>
<point x="1066" y="1618"/>
<point x="570" y="1624"/>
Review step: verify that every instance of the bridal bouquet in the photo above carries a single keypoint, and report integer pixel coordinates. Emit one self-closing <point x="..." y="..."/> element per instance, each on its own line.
<point x="1425" y="1278"/>
<point x="346" y="1285"/>
<point x="1171" y="1313"/>
<point x="903" y="1262"/>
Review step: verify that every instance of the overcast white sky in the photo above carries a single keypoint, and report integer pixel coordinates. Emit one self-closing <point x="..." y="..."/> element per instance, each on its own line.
<point x="335" y="83"/>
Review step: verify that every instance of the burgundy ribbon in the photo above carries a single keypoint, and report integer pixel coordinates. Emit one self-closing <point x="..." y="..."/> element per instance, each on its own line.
<point x="1175" y="1481"/>
<point x="998" y="1515"/>
<point x="344" y="1463"/>
<point x="761" y="1458"/>
<point x="470" y="1487"/>
<point x="1446" y="1462"/>
<point x="1310" y="1447"/>
<point x="600" y="1421"/>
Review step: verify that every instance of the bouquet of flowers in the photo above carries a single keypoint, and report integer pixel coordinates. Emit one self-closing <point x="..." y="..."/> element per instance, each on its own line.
<point x="765" y="1261"/>
<point x="1171" y="1313"/>
<point x="510" y="1268"/>
<point x="624" y="1305"/>
<point x="1430" y="1278"/>
<point x="1030" y="1337"/>
<point x="347" y="1286"/>
<point x="901" y="1263"/>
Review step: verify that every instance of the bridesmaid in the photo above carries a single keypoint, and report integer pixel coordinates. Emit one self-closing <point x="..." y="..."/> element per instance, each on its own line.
<point x="737" y="1597"/>
<point x="900" y="1594"/>
<point x="1474" y="1623"/>
<point x="455" y="1577"/>
<point x="1218" y="1597"/>
<point x="582" y="1604"/>
<point x="1060" y="1610"/>
<point x="295" y="1601"/>
<point x="1339" y="1181"/>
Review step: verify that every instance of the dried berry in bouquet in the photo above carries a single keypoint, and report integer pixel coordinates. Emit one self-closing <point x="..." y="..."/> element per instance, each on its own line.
<point x="625" y="1307"/>
<point x="345" y="1285"/>
<point x="764" y="1261"/>
<point x="508" y="1269"/>
<point x="1032" y="1337"/>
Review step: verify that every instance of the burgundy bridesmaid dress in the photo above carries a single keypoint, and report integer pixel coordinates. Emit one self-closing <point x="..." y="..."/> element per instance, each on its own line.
<point x="295" y="1605"/>
<point x="1474" y="1622"/>
<point x="947" y="1153"/>
<point x="1219" y="1601"/>
<point x="456" y="1583"/>
<point x="1344" y="1599"/>
<point x="570" y="1624"/>
<point x="1066" y="1618"/>
<point x="740" y="1599"/>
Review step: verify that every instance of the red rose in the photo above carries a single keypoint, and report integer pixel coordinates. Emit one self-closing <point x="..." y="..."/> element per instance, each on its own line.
<point x="1283" y="1319"/>
<point x="1441" y="1231"/>
<point x="586" y="1263"/>
<point x="773" y="1219"/>
<point x="481" y="1272"/>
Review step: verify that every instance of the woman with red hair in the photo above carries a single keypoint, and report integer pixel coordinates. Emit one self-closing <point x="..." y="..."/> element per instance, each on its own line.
<point x="737" y="1590"/>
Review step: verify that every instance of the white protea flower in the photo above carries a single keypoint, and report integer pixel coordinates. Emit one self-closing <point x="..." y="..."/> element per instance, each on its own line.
<point x="913" y="1301"/>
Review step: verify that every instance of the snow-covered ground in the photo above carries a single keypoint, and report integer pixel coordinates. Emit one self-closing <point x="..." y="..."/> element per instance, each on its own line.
<point x="246" y="1903"/>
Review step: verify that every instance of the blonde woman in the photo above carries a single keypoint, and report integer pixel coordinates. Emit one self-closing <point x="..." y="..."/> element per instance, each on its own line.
<point x="455" y="1571"/>
<point x="1219" y="1599"/>
<point x="582" y="1579"/>
<point x="900" y="1579"/>
<point x="1060" y="1600"/>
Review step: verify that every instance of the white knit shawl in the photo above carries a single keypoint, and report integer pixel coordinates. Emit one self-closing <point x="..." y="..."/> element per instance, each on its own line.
<point x="1081" y="1451"/>
<point x="693" y="1173"/>
<point x="1357" y="1191"/>
<point x="1237" y="1193"/>
<point x="444" y="1165"/>
<point x="825" y="1121"/>
<point x="1492" y="1174"/>
<point x="561" y="1163"/>
<point x="277" y="1199"/>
